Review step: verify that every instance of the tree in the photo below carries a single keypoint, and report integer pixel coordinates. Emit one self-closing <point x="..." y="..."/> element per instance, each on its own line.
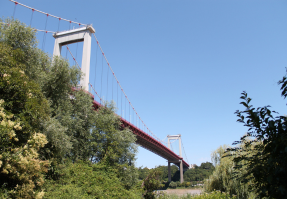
<point x="21" y="171"/>
<point x="267" y="166"/>
<point x="150" y="183"/>
<point x="207" y="166"/>
<point x="259" y="159"/>
<point x="41" y="96"/>
<point x="199" y="173"/>
<point x="35" y="70"/>
<point x="143" y="172"/>
<point x="174" y="172"/>
<point x="83" y="179"/>
<point x="222" y="178"/>
<point x="23" y="108"/>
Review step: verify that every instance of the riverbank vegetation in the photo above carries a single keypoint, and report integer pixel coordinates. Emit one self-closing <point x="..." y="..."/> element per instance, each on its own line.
<point x="212" y="195"/>
<point x="192" y="177"/>
<point x="256" y="166"/>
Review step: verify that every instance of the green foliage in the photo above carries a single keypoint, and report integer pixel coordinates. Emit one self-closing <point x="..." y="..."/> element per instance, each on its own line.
<point x="174" y="171"/>
<point x="143" y="172"/>
<point x="87" y="180"/>
<point x="39" y="93"/>
<point x="23" y="108"/>
<point x="172" y="184"/>
<point x="222" y="178"/>
<point x="22" y="38"/>
<point x="151" y="182"/>
<point x="265" y="156"/>
<point x="207" y="166"/>
<point x="212" y="195"/>
<point x="256" y="167"/>
<point x="21" y="171"/>
<point x="22" y="96"/>
<point x="199" y="173"/>
<point x="110" y="141"/>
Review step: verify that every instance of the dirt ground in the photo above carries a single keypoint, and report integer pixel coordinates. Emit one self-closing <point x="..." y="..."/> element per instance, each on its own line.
<point x="181" y="192"/>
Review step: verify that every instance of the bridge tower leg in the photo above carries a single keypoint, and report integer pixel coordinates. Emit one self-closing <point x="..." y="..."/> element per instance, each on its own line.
<point x="73" y="36"/>
<point x="169" y="173"/>
<point x="177" y="137"/>
<point x="181" y="171"/>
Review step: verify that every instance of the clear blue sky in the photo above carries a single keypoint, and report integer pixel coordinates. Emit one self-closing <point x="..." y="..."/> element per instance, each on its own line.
<point x="183" y="64"/>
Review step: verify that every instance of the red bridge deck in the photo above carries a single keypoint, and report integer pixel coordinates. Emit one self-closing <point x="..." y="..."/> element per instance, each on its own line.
<point x="149" y="143"/>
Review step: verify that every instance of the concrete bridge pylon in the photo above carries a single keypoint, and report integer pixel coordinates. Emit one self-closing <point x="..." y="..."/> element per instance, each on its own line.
<point x="82" y="34"/>
<point x="175" y="137"/>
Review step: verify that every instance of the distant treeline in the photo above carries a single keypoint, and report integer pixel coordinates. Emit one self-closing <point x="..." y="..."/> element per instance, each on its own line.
<point x="198" y="173"/>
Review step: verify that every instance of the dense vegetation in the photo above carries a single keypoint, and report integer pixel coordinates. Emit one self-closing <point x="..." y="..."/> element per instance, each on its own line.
<point x="212" y="195"/>
<point x="256" y="166"/>
<point x="52" y="141"/>
<point x="199" y="173"/>
<point x="191" y="177"/>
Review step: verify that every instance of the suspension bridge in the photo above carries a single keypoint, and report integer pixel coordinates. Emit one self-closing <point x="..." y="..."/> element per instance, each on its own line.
<point x="84" y="34"/>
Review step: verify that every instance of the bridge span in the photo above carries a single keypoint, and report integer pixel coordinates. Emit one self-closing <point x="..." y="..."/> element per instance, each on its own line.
<point x="153" y="145"/>
<point x="148" y="142"/>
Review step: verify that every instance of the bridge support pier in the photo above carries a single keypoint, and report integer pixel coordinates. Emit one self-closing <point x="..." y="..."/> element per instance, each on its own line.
<point x="169" y="173"/>
<point x="181" y="171"/>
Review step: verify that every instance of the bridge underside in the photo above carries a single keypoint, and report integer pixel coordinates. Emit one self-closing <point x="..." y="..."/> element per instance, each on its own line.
<point x="151" y="144"/>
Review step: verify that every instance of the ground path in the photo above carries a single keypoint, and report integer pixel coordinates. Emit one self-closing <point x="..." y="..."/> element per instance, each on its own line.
<point x="181" y="192"/>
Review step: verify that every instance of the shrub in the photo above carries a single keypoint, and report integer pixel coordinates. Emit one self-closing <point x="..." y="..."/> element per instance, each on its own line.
<point x="172" y="185"/>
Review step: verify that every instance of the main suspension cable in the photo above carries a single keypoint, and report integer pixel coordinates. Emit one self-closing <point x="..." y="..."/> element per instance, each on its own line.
<point x="16" y="3"/>
<point x="34" y="29"/>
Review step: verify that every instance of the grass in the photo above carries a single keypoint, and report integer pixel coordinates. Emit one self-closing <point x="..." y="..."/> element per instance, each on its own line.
<point x="212" y="195"/>
<point x="195" y="187"/>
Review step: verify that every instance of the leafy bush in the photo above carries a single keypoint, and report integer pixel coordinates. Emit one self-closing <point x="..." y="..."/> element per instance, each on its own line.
<point x="87" y="180"/>
<point x="150" y="183"/>
<point x="187" y="184"/>
<point x="172" y="185"/>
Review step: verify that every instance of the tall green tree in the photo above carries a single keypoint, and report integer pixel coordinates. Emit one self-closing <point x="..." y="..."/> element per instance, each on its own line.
<point x="143" y="172"/>
<point x="267" y="166"/>
<point x="36" y="67"/>
<point x="222" y="178"/>
<point x="199" y="173"/>
<point x="23" y="109"/>
<point x="152" y="182"/>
